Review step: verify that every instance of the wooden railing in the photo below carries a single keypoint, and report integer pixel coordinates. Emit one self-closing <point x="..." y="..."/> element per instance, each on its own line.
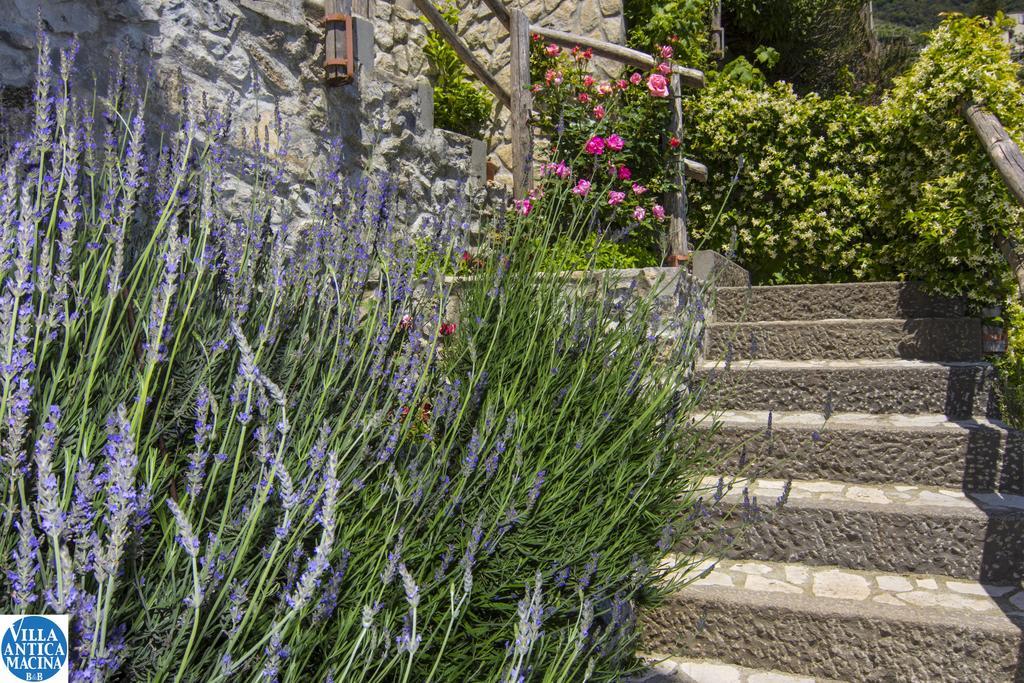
<point x="1009" y="161"/>
<point x="518" y="99"/>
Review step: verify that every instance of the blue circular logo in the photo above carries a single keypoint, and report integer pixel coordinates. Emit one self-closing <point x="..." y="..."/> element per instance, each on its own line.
<point x="34" y="649"/>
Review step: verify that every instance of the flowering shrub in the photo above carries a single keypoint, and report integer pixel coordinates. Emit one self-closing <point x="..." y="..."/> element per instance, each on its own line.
<point x="608" y="137"/>
<point x="241" y="445"/>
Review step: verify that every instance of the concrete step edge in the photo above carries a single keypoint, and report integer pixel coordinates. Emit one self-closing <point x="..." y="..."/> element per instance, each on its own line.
<point x="667" y="669"/>
<point x="896" y="422"/>
<point x="908" y="499"/>
<point x="837" y="591"/>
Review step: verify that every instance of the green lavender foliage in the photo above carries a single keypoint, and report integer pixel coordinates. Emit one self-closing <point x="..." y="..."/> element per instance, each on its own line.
<point x="242" y="444"/>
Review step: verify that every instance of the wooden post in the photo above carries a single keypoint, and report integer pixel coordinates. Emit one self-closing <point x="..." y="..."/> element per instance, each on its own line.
<point x="678" y="242"/>
<point x="1009" y="161"/>
<point x="522" y="98"/>
<point x="717" y="31"/>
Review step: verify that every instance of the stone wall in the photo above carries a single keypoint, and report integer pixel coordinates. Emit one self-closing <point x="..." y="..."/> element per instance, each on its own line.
<point x="258" y="55"/>
<point x="400" y="34"/>
<point x="254" y="56"/>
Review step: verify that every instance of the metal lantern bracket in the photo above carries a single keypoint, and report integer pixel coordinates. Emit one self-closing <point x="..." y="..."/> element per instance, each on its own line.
<point x="339" y="57"/>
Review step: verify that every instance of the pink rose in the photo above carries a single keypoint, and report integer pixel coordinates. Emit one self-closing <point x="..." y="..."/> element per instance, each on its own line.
<point x="659" y="211"/>
<point x="599" y="112"/>
<point x="666" y="52"/>
<point x="623" y="84"/>
<point x="605" y="88"/>
<point x="635" y="79"/>
<point x="625" y="173"/>
<point x="549" y="75"/>
<point x="584" y="97"/>
<point x="639" y="213"/>
<point x="562" y="170"/>
<point x="615" y="142"/>
<point x="638" y="188"/>
<point x="588" y="81"/>
<point x="582" y="188"/>
<point x="595" y="146"/>
<point x="665" y="68"/>
<point x="552" y="50"/>
<point x="615" y="198"/>
<point x="658" y="86"/>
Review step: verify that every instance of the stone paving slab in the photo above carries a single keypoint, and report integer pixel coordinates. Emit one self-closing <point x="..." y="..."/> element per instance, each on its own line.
<point x="681" y="670"/>
<point x="922" y="591"/>
<point x="768" y="490"/>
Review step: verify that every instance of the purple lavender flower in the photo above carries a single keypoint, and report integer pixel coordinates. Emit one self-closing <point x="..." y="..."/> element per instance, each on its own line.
<point x="51" y="519"/>
<point x="23" y="576"/>
<point x="185" y="538"/>
<point x="121" y="495"/>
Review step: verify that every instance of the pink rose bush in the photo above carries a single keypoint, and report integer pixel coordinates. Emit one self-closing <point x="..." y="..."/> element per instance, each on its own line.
<point x="609" y="144"/>
<point x="658" y="85"/>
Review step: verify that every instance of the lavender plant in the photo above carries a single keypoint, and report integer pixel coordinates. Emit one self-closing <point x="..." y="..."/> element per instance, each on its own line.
<point x="245" y="444"/>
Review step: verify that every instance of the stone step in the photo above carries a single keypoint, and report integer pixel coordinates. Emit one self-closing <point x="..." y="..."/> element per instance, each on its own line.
<point x="889" y="528"/>
<point x="817" y="302"/>
<point x="935" y="339"/>
<point x="928" y="450"/>
<point x="836" y="623"/>
<point x="682" y="670"/>
<point x="959" y="390"/>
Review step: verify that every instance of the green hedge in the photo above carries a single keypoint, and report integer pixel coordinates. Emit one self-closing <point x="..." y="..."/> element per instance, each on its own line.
<point x="833" y="189"/>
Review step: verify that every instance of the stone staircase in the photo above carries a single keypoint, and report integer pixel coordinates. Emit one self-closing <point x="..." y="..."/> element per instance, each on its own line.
<point x="900" y="551"/>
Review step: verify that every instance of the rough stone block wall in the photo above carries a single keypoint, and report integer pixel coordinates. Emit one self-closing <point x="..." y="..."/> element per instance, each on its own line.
<point x="254" y="56"/>
<point x="400" y="35"/>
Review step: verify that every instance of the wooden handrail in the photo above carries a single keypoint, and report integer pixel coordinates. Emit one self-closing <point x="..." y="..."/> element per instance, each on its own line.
<point x="448" y="33"/>
<point x="1009" y="161"/>
<point x="693" y="78"/>
<point x="499" y="10"/>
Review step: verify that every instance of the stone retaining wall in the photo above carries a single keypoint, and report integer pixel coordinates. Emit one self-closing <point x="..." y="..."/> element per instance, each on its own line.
<point x="253" y="56"/>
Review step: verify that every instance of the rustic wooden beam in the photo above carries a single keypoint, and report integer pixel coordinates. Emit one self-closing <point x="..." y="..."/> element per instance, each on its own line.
<point x="693" y="78"/>
<point x="499" y="10"/>
<point x="678" y="239"/>
<point x="695" y="170"/>
<point x="464" y="53"/>
<point x="522" y="100"/>
<point x="1006" y="156"/>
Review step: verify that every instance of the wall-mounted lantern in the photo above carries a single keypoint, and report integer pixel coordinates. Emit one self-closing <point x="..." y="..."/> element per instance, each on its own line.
<point x="339" y="54"/>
